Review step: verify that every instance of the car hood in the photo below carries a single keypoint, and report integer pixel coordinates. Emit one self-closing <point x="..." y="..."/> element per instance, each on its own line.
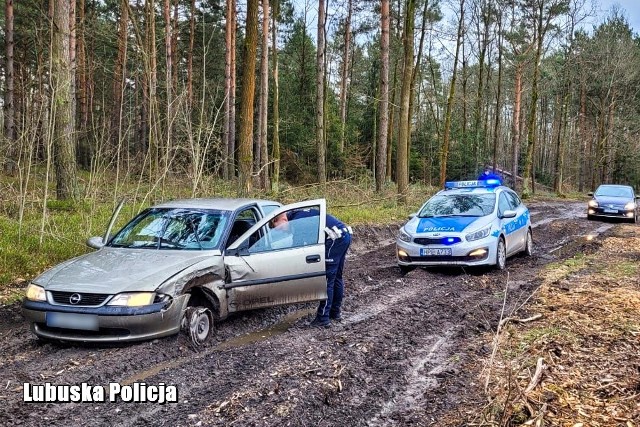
<point x="608" y="200"/>
<point x="445" y="224"/>
<point x="114" y="270"/>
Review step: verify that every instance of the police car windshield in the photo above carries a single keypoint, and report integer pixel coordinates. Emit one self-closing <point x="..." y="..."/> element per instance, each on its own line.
<point x="459" y="205"/>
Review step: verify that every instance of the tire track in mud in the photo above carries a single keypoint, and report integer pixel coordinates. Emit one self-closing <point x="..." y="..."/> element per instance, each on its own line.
<point x="397" y="359"/>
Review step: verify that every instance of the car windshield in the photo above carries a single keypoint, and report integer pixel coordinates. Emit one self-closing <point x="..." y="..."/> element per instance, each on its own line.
<point x="459" y="205"/>
<point x="610" y="191"/>
<point x="173" y="228"/>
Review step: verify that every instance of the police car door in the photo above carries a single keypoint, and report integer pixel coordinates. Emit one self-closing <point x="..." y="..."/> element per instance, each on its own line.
<point x="267" y="267"/>
<point x="507" y="225"/>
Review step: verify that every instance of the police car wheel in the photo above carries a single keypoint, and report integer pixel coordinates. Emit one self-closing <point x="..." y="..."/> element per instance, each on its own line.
<point x="501" y="255"/>
<point x="404" y="269"/>
<point x="528" y="246"/>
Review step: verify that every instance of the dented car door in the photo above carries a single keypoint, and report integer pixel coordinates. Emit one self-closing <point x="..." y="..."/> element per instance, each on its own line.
<point x="268" y="266"/>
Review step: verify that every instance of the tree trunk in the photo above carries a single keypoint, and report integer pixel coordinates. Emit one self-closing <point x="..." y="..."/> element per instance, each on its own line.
<point x="227" y="170"/>
<point x="320" y="141"/>
<point x="582" y="132"/>
<point x="86" y="151"/>
<point x="245" y="154"/>
<point x="344" y="85"/>
<point x="264" y="98"/>
<point x="275" y="176"/>
<point x="515" y="134"/>
<point x="192" y="35"/>
<point x="62" y="79"/>
<point x="404" y="124"/>
<point x="496" y="129"/>
<point x="231" y="162"/>
<point x="383" y="107"/>
<point x="119" y="73"/>
<point x="9" y="107"/>
<point x="168" y="41"/>
<point x="444" y="151"/>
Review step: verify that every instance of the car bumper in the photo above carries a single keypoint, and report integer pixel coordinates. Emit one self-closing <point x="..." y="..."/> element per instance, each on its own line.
<point x="408" y="253"/>
<point x="112" y="324"/>
<point x="611" y="213"/>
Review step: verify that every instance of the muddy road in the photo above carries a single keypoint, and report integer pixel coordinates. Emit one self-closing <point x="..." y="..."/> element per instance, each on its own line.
<point x="408" y="351"/>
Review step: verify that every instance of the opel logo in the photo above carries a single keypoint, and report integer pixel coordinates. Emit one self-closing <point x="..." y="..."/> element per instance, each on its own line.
<point x="75" y="299"/>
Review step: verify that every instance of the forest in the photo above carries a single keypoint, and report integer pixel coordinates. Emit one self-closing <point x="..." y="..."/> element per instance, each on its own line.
<point x="265" y="93"/>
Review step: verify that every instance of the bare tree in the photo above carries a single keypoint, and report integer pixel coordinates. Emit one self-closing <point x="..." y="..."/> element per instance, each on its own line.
<point x="383" y="108"/>
<point x="444" y="150"/>
<point x="63" y="101"/>
<point x="344" y="83"/>
<point x="404" y="124"/>
<point x="264" y="98"/>
<point x="245" y="158"/>
<point x="9" y="107"/>
<point x="320" y="141"/>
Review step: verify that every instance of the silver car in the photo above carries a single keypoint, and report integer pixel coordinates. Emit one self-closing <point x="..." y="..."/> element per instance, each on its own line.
<point x="468" y="223"/>
<point x="181" y="264"/>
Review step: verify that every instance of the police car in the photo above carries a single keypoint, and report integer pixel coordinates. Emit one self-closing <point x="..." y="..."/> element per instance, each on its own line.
<point x="468" y="223"/>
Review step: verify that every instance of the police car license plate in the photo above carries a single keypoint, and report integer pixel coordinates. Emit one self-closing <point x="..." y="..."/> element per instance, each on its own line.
<point x="435" y="252"/>
<point x="610" y="210"/>
<point x="85" y="322"/>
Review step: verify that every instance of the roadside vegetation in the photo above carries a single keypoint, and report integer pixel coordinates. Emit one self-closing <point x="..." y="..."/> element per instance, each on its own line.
<point x="37" y="233"/>
<point x="571" y="356"/>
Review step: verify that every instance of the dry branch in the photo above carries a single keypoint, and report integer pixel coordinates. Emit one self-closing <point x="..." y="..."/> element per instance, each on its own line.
<point x="540" y="367"/>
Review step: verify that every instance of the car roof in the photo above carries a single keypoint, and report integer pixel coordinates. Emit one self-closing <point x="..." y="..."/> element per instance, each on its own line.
<point x="615" y="186"/>
<point x="473" y="190"/>
<point x="223" y="204"/>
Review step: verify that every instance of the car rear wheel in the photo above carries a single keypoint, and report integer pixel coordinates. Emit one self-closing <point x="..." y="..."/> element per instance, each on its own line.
<point x="528" y="246"/>
<point x="198" y="325"/>
<point x="501" y="255"/>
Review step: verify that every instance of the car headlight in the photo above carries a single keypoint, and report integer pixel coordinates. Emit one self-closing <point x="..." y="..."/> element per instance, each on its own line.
<point x="36" y="293"/>
<point x="477" y="235"/>
<point x="133" y="299"/>
<point x="593" y="204"/>
<point x="404" y="236"/>
<point x="630" y="206"/>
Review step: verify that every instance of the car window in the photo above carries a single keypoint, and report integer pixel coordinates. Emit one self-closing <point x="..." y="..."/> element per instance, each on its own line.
<point x="459" y="205"/>
<point x="243" y="222"/>
<point x="610" y="191"/>
<point x="267" y="209"/>
<point x="503" y="204"/>
<point x="514" y="200"/>
<point x="301" y="229"/>
<point x="173" y="228"/>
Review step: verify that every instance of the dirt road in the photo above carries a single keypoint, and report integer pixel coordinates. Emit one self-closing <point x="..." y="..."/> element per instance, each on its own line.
<point x="407" y="352"/>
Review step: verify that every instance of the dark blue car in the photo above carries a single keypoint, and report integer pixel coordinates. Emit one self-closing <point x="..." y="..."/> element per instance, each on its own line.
<point x="613" y="201"/>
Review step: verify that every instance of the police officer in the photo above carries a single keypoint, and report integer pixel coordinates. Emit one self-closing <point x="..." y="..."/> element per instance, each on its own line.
<point x="337" y="242"/>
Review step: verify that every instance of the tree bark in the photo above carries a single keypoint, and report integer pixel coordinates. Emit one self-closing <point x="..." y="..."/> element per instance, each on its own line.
<point x="247" y="96"/>
<point x="444" y="151"/>
<point x="9" y="107"/>
<point x="404" y="124"/>
<point x="383" y="107"/>
<point x="264" y="95"/>
<point x="320" y="137"/>
<point x="275" y="176"/>
<point x="344" y="84"/>
<point x="64" y="147"/>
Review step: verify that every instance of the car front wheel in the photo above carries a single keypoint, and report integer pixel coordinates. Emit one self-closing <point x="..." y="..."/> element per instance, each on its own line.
<point x="501" y="255"/>
<point x="198" y="325"/>
<point x="404" y="269"/>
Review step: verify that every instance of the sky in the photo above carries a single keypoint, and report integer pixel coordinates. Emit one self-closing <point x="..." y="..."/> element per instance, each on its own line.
<point x="631" y="11"/>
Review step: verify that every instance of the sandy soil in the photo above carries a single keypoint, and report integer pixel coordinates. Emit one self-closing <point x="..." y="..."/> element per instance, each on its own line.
<point x="408" y="351"/>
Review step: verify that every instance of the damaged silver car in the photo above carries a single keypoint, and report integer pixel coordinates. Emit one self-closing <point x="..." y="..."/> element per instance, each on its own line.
<point x="181" y="264"/>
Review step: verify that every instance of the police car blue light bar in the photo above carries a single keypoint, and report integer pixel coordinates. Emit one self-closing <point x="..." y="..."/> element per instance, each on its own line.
<point x="473" y="184"/>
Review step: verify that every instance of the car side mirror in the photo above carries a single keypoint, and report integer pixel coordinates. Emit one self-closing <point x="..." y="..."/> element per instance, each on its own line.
<point x="509" y="214"/>
<point x="95" y="242"/>
<point x="590" y="193"/>
<point x="413" y="215"/>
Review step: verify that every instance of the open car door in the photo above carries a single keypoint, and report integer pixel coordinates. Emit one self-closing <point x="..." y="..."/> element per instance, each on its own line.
<point x="268" y="267"/>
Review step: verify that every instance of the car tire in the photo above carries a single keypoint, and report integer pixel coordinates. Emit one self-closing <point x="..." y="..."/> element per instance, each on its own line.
<point x="528" y="244"/>
<point x="198" y="325"/>
<point x="501" y="255"/>
<point x="405" y="269"/>
<point x="590" y="217"/>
